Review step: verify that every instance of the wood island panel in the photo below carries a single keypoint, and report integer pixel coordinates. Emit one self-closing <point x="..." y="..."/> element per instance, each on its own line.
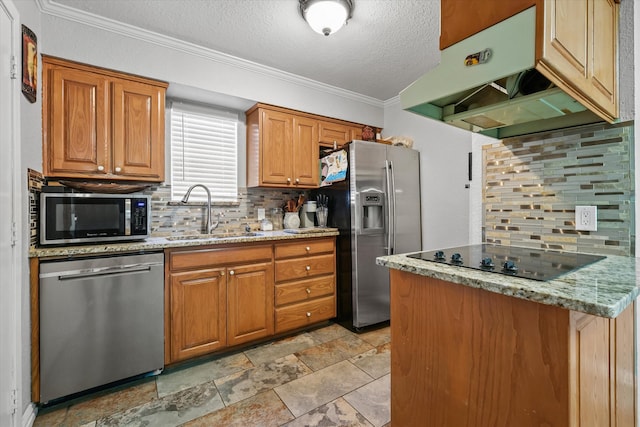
<point x="462" y="356"/>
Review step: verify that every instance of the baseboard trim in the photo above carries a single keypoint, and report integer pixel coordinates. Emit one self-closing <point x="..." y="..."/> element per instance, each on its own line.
<point x="29" y="415"/>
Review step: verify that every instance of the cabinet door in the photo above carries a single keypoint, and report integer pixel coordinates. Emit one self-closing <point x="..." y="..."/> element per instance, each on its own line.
<point x="604" y="57"/>
<point x="356" y="133"/>
<point x="138" y="131"/>
<point x="331" y="133"/>
<point x="590" y="388"/>
<point x="198" y="313"/>
<point x="579" y="52"/>
<point x="565" y="45"/>
<point x="305" y="152"/>
<point x="76" y="123"/>
<point x="250" y="294"/>
<point x="276" y="140"/>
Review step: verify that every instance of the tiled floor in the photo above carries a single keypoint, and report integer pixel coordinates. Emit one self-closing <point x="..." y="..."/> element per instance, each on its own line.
<point x="325" y="377"/>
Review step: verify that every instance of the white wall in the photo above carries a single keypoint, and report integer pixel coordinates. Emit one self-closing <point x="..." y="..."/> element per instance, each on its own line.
<point x="31" y="149"/>
<point x="476" y="208"/>
<point x="444" y="149"/>
<point x="178" y="62"/>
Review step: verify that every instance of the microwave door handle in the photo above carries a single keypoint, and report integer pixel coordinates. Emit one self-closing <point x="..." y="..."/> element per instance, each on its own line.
<point x="127" y="217"/>
<point x="387" y="171"/>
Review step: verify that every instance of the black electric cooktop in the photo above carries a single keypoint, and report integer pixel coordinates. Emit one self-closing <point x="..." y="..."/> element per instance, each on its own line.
<point x="536" y="264"/>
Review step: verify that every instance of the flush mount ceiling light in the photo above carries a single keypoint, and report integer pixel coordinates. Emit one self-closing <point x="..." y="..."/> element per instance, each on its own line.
<point x="326" y="16"/>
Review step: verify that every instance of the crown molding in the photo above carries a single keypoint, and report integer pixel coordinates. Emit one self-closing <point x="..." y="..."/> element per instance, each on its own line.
<point x="391" y="101"/>
<point x="106" y="24"/>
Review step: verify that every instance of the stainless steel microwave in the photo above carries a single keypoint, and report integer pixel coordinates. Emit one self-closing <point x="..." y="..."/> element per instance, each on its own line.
<point x="72" y="218"/>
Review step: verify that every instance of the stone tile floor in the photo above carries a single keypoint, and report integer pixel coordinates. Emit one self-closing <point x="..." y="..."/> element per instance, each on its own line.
<point x="324" y="377"/>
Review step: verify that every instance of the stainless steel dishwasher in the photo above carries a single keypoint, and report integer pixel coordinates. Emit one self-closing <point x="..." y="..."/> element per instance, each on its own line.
<point x="101" y="320"/>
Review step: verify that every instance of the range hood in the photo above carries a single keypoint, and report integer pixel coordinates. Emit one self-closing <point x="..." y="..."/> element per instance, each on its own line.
<point x="488" y="83"/>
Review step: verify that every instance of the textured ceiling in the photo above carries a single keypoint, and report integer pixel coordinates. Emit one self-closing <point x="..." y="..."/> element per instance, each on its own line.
<point x="385" y="46"/>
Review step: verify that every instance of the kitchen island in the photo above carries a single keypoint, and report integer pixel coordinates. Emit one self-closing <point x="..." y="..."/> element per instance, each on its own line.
<point x="475" y="348"/>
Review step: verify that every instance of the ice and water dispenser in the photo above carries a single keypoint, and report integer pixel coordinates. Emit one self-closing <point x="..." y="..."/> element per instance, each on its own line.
<point x="372" y="213"/>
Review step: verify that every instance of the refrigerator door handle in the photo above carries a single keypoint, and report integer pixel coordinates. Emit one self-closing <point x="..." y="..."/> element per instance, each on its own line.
<point x="387" y="173"/>
<point x="395" y="212"/>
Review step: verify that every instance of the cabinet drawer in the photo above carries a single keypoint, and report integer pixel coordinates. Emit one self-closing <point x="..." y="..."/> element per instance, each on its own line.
<point x="300" y="268"/>
<point x="305" y="290"/>
<point x="205" y="258"/>
<point x="306" y="313"/>
<point x="308" y="247"/>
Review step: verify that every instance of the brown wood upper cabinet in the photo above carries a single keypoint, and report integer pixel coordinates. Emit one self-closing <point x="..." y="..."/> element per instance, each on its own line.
<point x="101" y="124"/>
<point x="283" y="145"/>
<point x="576" y="42"/>
<point x="282" y="149"/>
<point x="334" y="134"/>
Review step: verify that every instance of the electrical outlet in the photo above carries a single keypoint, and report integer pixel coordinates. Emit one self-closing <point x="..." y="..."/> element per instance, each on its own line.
<point x="587" y="218"/>
<point x="261" y="214"/>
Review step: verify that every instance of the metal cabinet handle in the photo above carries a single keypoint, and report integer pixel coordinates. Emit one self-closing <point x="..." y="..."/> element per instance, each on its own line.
<point x="288" y="180"/>
<point x="308" y="267"/>
<point x="118" y="169"/>
<point x="297" y="180"/>
<point x="231" y="272"/>
<point x="100" y="168"/>
<point x="308" y="248"/>
<point x="222" y="273"/>
<point x="308" y="314"/>
<point x="308" y="291"/>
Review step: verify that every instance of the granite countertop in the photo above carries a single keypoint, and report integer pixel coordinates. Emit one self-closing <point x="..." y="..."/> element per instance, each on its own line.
<point x="158" y="243"/>
<point x="604" y="288"/>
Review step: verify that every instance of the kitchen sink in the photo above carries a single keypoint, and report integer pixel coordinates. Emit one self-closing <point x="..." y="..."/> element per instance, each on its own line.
<point x="222" y="235"/>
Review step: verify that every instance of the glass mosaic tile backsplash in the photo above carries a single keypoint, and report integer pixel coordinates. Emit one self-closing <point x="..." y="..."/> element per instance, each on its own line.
<point x="533" y="183"/>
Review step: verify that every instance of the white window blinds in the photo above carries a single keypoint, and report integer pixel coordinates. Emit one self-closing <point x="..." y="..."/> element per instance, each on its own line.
<point x="203" y="151"/>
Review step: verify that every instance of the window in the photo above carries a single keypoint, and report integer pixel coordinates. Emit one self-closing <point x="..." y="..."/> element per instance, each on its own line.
<point x="203" y="151"/>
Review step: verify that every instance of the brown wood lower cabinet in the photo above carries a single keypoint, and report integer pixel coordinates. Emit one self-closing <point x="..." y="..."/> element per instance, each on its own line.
<point x="462" y="356"/>
<point x="305" y="283"/>
<point x="223" y="296"/>
<point x="198" y="312"/>
<point x="249" y="302"/>
<point x="218" y="297"/>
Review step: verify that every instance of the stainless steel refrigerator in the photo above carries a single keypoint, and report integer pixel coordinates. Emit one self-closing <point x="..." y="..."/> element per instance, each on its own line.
<point x="377" y="210"/>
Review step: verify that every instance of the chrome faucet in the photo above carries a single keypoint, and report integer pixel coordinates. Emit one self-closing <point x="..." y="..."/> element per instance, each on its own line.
<point x="209" y="227"/>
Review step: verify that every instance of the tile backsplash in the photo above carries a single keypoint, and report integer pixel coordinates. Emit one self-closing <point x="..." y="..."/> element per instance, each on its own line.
<point x="533" y="183"/>
<point x="173" y="217"/>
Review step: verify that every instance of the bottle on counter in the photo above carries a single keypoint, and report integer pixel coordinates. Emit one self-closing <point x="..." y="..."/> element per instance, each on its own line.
<point x="276" y="218"/>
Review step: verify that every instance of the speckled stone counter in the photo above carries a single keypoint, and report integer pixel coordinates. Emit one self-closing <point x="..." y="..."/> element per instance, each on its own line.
<point x="158" y="243"/>
<point x="604" y="288"/>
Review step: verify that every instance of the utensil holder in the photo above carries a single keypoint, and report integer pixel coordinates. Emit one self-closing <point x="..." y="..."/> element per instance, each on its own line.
<point x="291" y="220"/>
<point x="321" y="216"/>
